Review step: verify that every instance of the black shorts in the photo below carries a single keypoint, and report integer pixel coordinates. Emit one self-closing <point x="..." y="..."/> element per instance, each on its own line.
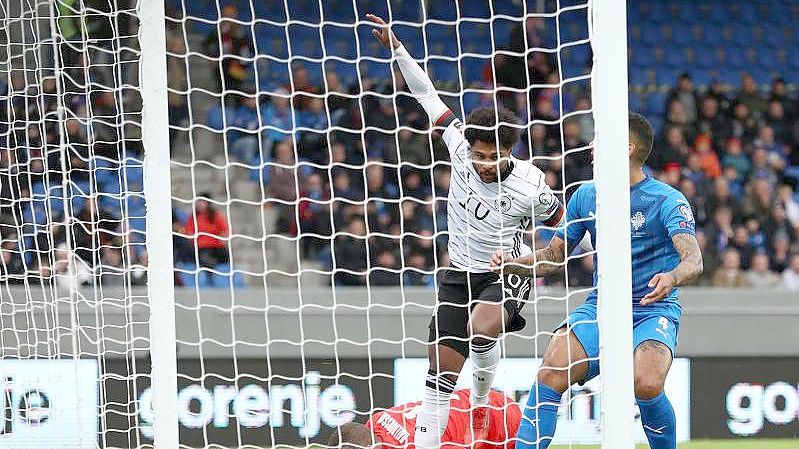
<point x="458" y="293"/>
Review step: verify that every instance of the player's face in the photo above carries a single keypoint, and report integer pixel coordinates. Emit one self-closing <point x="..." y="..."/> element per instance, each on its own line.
<point x="488" y="161"/>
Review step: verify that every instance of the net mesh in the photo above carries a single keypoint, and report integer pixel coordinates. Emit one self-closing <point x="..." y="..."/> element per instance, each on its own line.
<point x="309" y="205"/>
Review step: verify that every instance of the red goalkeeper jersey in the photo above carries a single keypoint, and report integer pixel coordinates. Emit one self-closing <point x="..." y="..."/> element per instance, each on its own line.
<point x="395" y="427"/>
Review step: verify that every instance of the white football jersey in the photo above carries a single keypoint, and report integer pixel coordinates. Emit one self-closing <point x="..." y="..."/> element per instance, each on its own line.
<point x="484" y="217"/>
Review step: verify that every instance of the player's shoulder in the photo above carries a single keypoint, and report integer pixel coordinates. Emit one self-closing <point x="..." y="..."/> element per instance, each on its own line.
<point x="526" y="172"/>
<point x="585" y="192"/>
<point x="667" y="192"/>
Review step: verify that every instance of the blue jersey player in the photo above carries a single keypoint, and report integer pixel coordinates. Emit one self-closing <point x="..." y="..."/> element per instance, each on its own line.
<point x="665" y="255"/>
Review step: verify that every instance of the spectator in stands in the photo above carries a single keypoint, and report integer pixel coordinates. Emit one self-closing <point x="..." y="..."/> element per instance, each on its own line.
<point x="235" y="47"/>
<point x="11" y="267"/>
<point x="708" y="159"/>
<point x="210" y="229"/>
<point x="417" y="271"/>
<point x="92" y="228"/>
<point x="350" y="254"/>
<point x="279" y="177"/>
<point x="385" y="271"/>
<point x="311" y="143"/>
<point x="672" y="150"/>
<point x="777" y="153"/>
<point x="677" y="116"/>
<point x="69" y="274"/>
<point x="790" y="276"/>
<point x="111" y="270"/>
<point x="741" y="242"/>
<point x="778" y="223"/>
<point x="760" y="276"/>
<point x="785" y="196"/>
<point x="280" y="117"/>
<point x="710" y="120"/>
<point x="781" y="253"/>
<point x="750" y="96"/>
<point x="765" y="168"/>
<point x="779" y="93"/>
<point x="743" y="124"/>
<point x="729" y="274"/>
<point x="778" y="122"/>
<point x="246" y="118"/>
<point x="734" y="157"/>
<point x="413" y="147"/>
<point x="314" y="214"/>
<point x="685" y="93"/>
<point x="182" y="247"/>
<point x="758" y="201"/>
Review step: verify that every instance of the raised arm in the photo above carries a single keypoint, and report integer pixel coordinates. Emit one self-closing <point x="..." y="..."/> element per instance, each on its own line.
<point x="417" y="80"/>
<point x="549" y="259"/>
<point x="689" y="268"/>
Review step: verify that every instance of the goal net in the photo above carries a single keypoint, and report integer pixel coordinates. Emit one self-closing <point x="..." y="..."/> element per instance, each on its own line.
<point x="308" y="225"/>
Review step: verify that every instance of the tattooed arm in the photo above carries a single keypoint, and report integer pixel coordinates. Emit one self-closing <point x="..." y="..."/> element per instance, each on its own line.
<point x="549" y="259"/>
<point x="689" y="268"/>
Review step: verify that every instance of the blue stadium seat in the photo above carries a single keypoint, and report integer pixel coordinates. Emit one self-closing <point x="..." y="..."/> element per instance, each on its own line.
<point x="634" y="101"/>
<point x="656" y="104"/>
<point x="681" y="33"/>
<point x="472" y="69"/>
<point x="704" y="56"/>
<point x="701" y="77"/>
<point x="217" y="117"/>
<point x="273" y="10"/>
<point x="638" y="76"/>
<point x="226" y="277"/>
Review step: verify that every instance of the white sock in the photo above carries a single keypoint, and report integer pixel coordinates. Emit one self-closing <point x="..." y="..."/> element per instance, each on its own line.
<point x="485" y="360"/>
<point x="433" y="414"/>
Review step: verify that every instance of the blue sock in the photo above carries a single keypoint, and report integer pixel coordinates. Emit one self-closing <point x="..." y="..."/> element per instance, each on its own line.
<point x="660" y="425"/>
<point x="538" y="419"/>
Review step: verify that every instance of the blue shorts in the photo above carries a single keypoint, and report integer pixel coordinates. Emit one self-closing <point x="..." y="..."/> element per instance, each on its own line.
<point x="657" y="324"/>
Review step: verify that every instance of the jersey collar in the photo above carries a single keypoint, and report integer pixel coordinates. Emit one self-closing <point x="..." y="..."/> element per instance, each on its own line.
<point x="503" y="175"/>
<point x="640" y="183"/>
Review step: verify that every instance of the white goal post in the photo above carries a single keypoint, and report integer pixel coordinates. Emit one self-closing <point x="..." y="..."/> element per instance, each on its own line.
<point x="221" y="221"/>
<point x="611" y="175"/>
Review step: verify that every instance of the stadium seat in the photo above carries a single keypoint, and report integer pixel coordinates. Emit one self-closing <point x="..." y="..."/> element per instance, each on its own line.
<point x="223" y="276"/>
<point x="656" y="104"/>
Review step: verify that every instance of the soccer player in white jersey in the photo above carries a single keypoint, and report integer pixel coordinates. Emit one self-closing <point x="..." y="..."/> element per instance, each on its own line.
<point x="493" y="198"/>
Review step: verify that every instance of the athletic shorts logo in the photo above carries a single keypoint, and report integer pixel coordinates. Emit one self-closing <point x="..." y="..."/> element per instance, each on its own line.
<point x="545" y="198"/>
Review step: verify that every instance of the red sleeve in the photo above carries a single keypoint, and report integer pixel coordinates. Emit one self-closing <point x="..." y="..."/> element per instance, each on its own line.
<point x="221" y="225"/>
<point x="190" y="225"/>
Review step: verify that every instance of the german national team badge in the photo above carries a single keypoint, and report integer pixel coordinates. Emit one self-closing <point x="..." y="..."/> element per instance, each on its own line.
<point x="504" y="203"/>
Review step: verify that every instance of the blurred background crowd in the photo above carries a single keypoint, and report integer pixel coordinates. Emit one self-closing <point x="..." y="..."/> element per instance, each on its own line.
<point x="344" y="165"/>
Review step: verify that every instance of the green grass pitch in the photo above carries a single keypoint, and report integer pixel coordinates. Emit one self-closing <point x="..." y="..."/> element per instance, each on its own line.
<point x="718" y="444"/>
<point x="697" y="444"/>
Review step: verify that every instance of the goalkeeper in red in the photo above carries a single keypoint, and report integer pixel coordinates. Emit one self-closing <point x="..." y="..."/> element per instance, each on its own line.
<point x="493" y="199"/>
<point x="665" y="255"/>
<point x="394" y="428"/>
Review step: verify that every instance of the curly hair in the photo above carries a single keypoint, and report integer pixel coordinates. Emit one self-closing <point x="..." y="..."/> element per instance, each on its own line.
<point x="508" y="128"/>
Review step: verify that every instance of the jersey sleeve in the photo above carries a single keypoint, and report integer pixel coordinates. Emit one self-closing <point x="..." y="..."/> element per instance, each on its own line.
<point x="546" y="206"/>
<point x="677" y="216"/>
<point x="453" y="135"/>
<point x="573" y="230"/>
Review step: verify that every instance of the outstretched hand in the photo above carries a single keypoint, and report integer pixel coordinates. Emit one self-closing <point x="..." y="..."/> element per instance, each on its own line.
<point x="663" y="284"/>
<point x="384" y="34"/>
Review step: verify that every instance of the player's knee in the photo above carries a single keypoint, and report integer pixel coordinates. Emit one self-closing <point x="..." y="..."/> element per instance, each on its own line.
<point x="482" y="342"/>
<point x="482" y="333"/>
<point x="556" y="379"/>
<point x="647" y="387"/>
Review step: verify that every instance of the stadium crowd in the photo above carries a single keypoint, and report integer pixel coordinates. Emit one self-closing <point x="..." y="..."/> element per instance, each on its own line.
<point x="371" y="194"/>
